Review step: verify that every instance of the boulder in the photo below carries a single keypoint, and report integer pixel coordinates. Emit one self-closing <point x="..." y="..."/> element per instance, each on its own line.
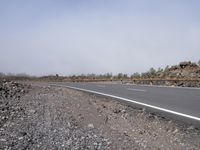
<point x="184" y="64"/>
<point x="194" y="65"/>
<point x="173" y="68"/>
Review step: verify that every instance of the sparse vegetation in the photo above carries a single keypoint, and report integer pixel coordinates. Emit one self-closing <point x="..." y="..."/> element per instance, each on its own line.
<point x="184" y="71"/>
<point x="135" y="75"/>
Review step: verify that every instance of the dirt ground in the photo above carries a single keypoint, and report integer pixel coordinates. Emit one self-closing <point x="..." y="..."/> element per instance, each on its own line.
<point x="47" y="117"/>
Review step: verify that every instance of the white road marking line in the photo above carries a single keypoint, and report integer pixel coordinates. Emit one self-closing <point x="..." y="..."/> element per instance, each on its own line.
<point x="133" y="101"/>
<point x="138" y="90"/>
<point x="164" y="86"/>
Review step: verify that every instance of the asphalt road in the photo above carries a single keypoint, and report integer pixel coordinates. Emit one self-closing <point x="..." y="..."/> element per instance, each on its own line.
<point x="180" y="101"/>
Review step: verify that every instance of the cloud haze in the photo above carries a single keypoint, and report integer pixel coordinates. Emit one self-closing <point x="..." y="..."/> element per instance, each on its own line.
<point x="74" y="37"/>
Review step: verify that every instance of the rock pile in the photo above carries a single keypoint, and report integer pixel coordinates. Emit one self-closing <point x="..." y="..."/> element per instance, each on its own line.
<point x="43" y="119"/>
<point x="10" y="93"/>
<point x="185" y="69"/>
<point x="185" y="74"/>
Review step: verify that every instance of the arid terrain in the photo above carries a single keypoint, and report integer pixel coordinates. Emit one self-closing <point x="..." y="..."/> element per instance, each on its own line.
<point x="184" y="74"/>
<point x="99" y="75"/>
<point x="38" y="116"/>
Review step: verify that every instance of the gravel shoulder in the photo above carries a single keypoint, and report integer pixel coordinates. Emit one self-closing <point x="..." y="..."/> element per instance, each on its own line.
<point x="43" y="117"/>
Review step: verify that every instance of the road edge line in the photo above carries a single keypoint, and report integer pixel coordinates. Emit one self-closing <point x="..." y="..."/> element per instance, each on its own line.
<point x="132" y="101"/>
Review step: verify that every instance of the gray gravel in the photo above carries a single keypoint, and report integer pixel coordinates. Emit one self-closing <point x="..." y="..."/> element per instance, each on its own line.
<point x="43" y="117"/>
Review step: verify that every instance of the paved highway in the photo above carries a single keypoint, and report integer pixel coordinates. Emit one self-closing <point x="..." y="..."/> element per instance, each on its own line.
<point x="184" y="102"/>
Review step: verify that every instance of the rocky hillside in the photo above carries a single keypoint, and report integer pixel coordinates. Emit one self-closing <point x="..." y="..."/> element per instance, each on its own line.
<point x="185" y="74"/>
<point x="183" y="70"/>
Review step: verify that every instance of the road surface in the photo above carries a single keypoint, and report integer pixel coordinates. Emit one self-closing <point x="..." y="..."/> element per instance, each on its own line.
<point x="183" y="102"/>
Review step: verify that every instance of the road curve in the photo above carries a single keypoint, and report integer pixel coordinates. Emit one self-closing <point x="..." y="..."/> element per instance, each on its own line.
<point x="183" y="102"/>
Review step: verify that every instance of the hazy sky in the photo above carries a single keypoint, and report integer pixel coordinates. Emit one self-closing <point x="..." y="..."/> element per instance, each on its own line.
<point x="41" y="37"/>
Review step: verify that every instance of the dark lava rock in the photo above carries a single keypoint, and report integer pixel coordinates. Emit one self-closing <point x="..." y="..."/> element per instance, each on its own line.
<point x="10" y="93"/>
<point x="184" y="64"/>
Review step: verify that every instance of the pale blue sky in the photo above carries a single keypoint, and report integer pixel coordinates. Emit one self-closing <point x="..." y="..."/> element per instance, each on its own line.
<point x="41" y="37"/>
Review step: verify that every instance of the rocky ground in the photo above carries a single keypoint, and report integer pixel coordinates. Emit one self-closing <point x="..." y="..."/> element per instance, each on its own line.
<point x="185" y="74"/>
<point x="43" y="117"/>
